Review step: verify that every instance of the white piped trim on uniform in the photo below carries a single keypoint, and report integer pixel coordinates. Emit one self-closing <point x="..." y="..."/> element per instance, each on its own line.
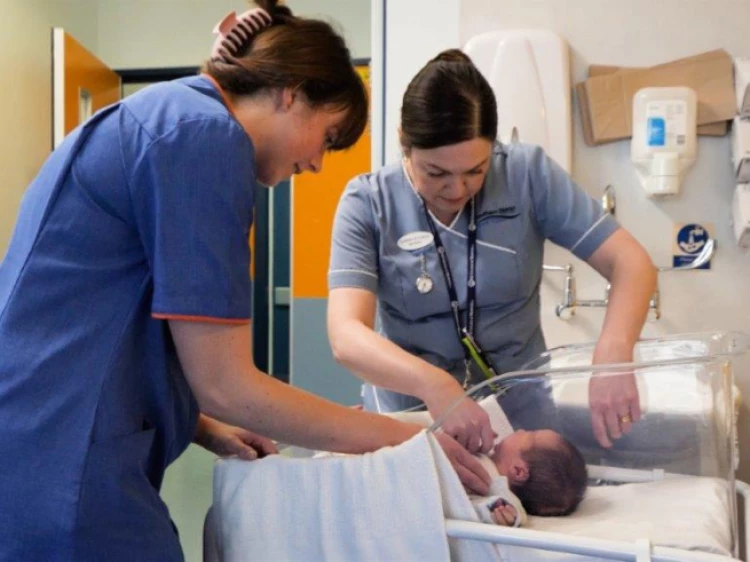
<point x="363" y="272"/>
<point x="589" y="231"/>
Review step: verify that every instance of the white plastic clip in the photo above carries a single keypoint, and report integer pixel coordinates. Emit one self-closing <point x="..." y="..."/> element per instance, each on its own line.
<point x="642" y="550"/>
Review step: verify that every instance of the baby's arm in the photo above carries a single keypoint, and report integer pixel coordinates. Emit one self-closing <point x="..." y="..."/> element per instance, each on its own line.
<point x="500" y="510"/>
<point x="502" y="513"/>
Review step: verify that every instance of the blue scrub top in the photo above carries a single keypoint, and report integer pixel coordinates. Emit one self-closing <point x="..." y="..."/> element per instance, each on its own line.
<point x="526" y="199"/>
<point x="142" y="215"/>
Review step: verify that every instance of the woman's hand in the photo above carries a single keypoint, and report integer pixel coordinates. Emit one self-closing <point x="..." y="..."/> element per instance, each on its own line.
<point x="613" y="397"/>
<point x="226" y="440"/>
<point x="470" y="471"/>
<point x="615" y="406"/>
<point x="467" y="423"/>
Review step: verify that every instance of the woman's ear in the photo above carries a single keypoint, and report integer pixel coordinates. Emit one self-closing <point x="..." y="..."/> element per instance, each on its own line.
<point x="283" y="99"/>
<point x="405" y="151"/>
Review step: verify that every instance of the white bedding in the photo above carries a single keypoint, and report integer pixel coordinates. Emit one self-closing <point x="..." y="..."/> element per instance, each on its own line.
<point x="685" y="512"/>
<point x="386" y="505"/>
<point x="257" y="513"/>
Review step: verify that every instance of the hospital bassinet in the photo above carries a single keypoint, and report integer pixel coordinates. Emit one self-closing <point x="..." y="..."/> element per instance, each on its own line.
<point x="664" y="492"/>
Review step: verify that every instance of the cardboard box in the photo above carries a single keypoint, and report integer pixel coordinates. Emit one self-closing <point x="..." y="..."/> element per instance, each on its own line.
<point x="710" y="129"/>
<point x="583" y="105"/>
<point x="718" y="129"/>
<point x="742" y="85"/>
<point x="608" y="98"/>
<point x="741" y="149"/>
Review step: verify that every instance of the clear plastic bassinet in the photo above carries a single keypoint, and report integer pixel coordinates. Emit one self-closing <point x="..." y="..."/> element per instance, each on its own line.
<point x="688" y="402"/>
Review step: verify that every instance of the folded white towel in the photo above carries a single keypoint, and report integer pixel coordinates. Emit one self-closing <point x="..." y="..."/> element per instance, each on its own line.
<point x="387" y="505"/>
<point x="379" y="506"/>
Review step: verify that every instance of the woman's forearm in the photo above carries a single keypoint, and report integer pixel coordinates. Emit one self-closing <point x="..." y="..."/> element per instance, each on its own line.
<point x="632" y="277"/>
<point x="383" y="363"/>
<point x="229" y="388"/>
<point x="267" y="406"/>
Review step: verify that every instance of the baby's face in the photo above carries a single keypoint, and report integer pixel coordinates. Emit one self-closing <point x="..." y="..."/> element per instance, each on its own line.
<point x="511" y="449"/>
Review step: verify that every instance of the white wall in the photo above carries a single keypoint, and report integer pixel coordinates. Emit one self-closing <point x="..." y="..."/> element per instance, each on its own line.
<point x="162" y="33"/>
<point x="404" y="58"/>
<point x="77" y="17"/>
<point x="25" y="99"/>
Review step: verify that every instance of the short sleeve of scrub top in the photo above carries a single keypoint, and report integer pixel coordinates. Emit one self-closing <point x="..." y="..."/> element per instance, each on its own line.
<point x="354" y="246"/>
<point x="195" y="219"/>
<point x="565" y="214"/>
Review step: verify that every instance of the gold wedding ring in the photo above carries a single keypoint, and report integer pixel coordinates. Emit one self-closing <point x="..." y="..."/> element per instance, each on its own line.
<point x="625" y="419"/>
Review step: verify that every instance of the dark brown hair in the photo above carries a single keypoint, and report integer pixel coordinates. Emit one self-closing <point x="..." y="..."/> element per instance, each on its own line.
<point x="447" y="102"/>
<point x="306" y="55"/>
<point x="557" y="480"/>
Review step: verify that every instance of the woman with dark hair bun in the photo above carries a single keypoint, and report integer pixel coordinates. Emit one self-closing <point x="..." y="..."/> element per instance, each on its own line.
<point x="447" y="245"/>
<point x="125" y="296"/>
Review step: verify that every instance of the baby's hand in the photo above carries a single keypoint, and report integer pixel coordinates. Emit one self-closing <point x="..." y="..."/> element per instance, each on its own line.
<point x="503" y="513"/>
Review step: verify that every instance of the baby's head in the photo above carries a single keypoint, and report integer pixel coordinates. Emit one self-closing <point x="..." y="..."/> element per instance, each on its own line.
<point x="545" y="471"/>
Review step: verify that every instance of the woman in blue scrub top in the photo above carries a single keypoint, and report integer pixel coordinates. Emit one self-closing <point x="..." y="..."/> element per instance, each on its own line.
<point x="125" y="296"/>
<point x="451" y="239"/>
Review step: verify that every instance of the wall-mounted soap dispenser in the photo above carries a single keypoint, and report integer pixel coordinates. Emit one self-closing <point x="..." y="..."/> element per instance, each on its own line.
<point x="664" y="137"/>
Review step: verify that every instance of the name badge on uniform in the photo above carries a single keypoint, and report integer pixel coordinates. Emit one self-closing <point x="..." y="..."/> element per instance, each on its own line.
<point x="412" y="242"/>
<point x="415" y="240"/>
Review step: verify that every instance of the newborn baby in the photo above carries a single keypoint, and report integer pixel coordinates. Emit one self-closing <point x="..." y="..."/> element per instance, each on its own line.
<point x="534" y="472"/>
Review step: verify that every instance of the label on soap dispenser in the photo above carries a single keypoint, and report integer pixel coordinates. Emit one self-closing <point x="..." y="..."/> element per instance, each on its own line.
<point x="656" y="131"/>
<point x="666" y="123"/>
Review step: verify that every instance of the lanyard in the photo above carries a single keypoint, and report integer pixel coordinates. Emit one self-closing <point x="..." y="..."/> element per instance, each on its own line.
<point x="465" y="333"/>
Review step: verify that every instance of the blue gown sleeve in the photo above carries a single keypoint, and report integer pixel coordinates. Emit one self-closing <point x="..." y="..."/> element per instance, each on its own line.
<point x="192" y="191"/>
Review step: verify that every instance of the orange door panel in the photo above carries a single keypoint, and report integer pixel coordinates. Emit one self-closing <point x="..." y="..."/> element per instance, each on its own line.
<point x="314" y="201"/>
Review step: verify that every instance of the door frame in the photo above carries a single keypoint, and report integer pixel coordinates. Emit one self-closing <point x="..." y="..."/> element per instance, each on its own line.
<point x="81" y="84"/>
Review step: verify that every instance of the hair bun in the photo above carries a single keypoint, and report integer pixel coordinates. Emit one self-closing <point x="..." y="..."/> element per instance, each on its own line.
<point x="452" y="55"/>
<point x="275" y="8"/>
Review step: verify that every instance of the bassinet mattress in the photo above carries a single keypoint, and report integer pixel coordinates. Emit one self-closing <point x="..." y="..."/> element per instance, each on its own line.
<point x="686" y="512"/>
